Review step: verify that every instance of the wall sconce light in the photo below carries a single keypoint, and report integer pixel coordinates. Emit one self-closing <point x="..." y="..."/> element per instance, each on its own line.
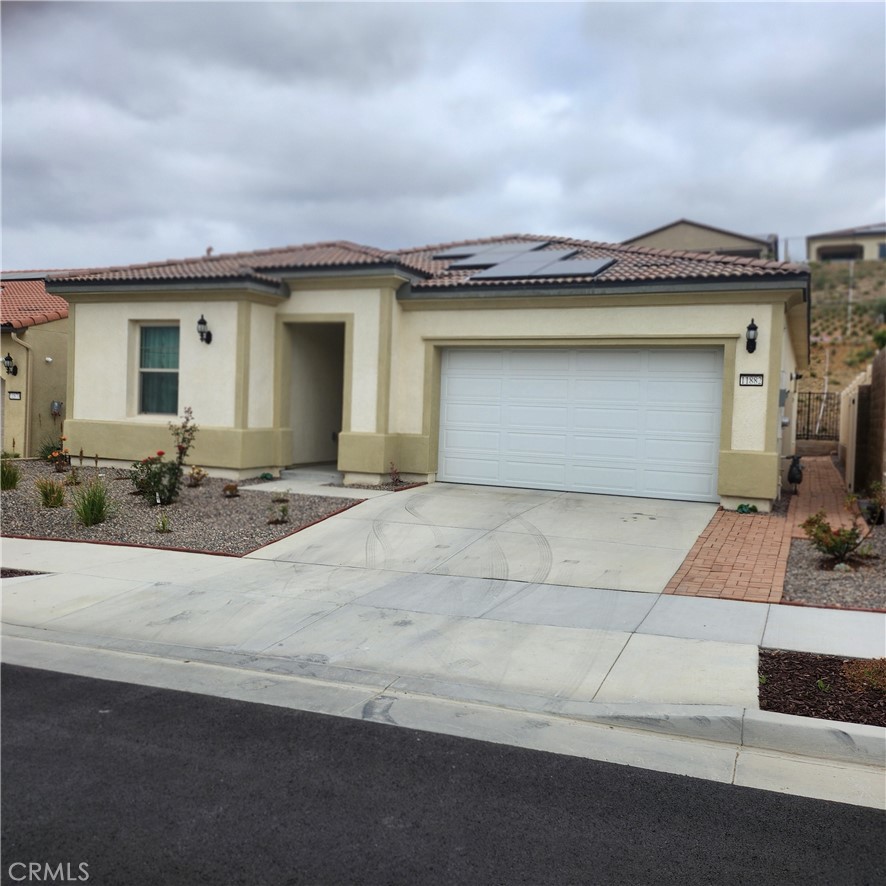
<point x="751" y="336"/>
<point x="203" y="331"/>
<point x="9" y="365"/>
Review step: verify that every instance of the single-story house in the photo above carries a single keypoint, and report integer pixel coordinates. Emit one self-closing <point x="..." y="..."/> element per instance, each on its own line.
<point x="34" y="376"/>
<point x="690" y="235"/>
<point x="866" y="243"/>
<point x="518" y="360"/>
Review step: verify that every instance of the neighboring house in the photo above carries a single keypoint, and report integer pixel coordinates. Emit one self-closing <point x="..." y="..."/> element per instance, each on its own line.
<point x="868" y="243"/>
<point x="35" y="353"/>
<point x="513" y="361"/>
<point x="691" y="236"/>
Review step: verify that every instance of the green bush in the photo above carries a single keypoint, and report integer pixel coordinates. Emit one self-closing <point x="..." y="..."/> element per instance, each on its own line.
<point x="157" y="480"/>
<point x="52" y="492"/>
<point x="160" y="481"/>
<point x="838" y="544"/>
<point x="91" y="503"/>
<point x="9" y="474"/>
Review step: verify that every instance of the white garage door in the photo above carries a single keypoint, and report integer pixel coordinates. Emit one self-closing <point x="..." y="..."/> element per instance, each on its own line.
<point x="636" y="421"/>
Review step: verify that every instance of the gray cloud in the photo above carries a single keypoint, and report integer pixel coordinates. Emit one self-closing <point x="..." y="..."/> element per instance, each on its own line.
<point x="135" y="131"/>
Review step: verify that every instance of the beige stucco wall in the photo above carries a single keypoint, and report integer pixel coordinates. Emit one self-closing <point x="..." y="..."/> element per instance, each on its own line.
<point x="29" y="421"/>
<point x="362" y="307"/>
<point x="106" y="364"/>
<point x="690" y="237"/>
<point x="261" y="391"/>
<point x="869" y="244"/>
<point x="262" y="372"/>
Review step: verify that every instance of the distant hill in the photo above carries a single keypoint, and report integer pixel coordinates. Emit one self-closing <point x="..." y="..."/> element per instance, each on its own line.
<point x="842" y="333"/>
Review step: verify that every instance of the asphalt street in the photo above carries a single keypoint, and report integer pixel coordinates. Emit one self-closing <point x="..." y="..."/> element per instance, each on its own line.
<point x="149" y="786"/>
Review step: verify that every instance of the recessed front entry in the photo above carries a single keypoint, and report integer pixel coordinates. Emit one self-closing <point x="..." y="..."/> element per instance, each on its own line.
<point x="621" y="421"/>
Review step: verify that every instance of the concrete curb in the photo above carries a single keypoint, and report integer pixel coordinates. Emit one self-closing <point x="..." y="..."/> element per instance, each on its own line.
<point x="822" y="740"/>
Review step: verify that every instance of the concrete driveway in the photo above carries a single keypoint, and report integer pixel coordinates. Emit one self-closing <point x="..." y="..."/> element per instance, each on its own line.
<point x="559" y="538"/>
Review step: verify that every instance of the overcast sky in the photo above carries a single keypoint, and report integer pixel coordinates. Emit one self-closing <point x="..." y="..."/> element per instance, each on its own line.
<point x="142" y="131"/>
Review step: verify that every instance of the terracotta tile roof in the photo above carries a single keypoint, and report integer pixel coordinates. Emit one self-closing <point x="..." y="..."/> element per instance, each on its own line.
<point x="25" y="302"/>
<point x="234" y="265"/>
<point x="632" y="265"/>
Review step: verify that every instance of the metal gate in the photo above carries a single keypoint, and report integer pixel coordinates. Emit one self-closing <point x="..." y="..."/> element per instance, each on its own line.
<point x="818" y="416"/>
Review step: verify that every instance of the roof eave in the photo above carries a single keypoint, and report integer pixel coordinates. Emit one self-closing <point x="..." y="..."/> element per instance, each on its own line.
<point x="792" y="281"/>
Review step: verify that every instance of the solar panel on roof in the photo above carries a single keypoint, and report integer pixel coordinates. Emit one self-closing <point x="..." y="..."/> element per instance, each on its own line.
<point x="582" y="267"/>
<point x="495" y="254"/>
<point x="524" y="265"/>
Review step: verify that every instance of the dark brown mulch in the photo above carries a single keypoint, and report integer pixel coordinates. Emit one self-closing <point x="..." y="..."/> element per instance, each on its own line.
<point x="15" y="573"/>
<point x="791" y="687"/>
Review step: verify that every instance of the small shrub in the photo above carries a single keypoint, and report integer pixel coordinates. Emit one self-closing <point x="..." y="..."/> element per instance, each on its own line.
<point x="52" y="492"/>
<point x="158" y="481"/>
<point x="73" y="479"/>
<point x="279" y="515"/>
<point x="60" y="457"/>
<point x="231" y="490"/>
<point x="164" y="524"/>
<point x="184" y="434"/>
<point x="746" y="509"/>
<point x="91" y="503"/>
<point x="866" y="673"/>
<point x="47" y="447"/>
<point x="12" y="454"/>
<point x="196" y="476"/>
<point x="10" y="475"/>
<point x="838" y="544"/>
<point x="395" y="475"/>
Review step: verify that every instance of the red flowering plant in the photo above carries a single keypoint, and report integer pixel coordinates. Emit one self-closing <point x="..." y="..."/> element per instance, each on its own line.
<point x="157" y="480"/>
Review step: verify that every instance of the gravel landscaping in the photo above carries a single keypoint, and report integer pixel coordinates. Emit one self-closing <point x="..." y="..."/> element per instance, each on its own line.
<point x="813" y="581"/>
<point x="202" y="519"/>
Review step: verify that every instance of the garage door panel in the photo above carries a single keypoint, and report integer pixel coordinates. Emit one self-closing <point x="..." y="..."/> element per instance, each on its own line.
<point x="680" y="391"/>
<point x="536" y="444"/>
<point x="685" y="361"/>
<point x="473" y="470"/>
<point x="542" y="389"/>
<point x="525" y="473"/>
<point x="683" y="421"/>
<point x="609" y="478"/>
<point x="474" y="387"/>
<point x="597" y="390"/>
<point x="669" y="450"/>
<point x="463" y="439"/>
<point x="537" y="416"/>
<point x="471" y="414"/>
<point x="678" y="484"/>
<point x="605" y="447"/>
<point x="639" y="422"/>
<point x="613" y="419"/>
<point x="609" y="361"/>
<point x="532" y="362"/>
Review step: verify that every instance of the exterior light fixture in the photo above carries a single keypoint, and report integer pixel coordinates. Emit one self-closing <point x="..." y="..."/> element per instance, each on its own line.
<point x="752" y="336"/>
<point x="203" y="331"/>
<point x="9" y="365"/>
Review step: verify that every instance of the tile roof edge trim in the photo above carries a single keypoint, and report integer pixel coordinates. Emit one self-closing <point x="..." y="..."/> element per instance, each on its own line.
<point x="180" y="284"/>
<point x="580" y="288"/>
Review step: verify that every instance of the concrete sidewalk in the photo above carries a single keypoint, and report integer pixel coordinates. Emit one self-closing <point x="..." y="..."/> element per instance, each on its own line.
<point x="640" y="678"/>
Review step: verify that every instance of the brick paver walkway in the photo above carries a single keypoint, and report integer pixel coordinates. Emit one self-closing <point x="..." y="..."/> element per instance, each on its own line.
<point x="744" y="556"/>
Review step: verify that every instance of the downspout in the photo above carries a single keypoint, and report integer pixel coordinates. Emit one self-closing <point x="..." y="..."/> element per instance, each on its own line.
<point x="26" y="445"/>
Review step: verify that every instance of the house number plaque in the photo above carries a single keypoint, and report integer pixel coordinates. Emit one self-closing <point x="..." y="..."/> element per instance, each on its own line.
<point x="746" y="380"/>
